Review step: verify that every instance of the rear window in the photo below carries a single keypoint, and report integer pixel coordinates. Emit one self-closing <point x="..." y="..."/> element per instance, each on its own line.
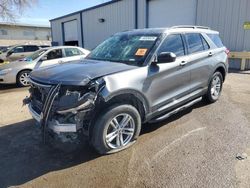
<point x="216" y="39"/>
<point x="72" y="52"/>
<point x="30" y="48"/>
<point x="195" y="43"/>
<point x="205" y="44"/>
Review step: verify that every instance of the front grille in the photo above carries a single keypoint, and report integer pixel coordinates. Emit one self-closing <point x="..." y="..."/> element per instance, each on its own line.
<point x="39" y="93"/>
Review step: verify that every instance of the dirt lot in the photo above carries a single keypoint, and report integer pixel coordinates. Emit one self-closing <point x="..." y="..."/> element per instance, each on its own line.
<point x="196" y="148"/>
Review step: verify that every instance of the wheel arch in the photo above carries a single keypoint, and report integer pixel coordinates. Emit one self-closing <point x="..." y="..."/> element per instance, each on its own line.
<point x="132" y="97"/>
<point x="22" y="71"/>
<point x="219" y="68"/>
<point x="222" y="70"/>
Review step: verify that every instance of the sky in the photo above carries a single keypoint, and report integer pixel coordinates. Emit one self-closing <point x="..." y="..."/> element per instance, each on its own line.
<point x="44" y="10"/>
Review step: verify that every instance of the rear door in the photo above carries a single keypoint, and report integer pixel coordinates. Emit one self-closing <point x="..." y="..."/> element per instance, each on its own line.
<point x="29" y="49"/>
<point x="72" y="54"/>
<point x="169" y="81"/>
<point x="200" y="56"/>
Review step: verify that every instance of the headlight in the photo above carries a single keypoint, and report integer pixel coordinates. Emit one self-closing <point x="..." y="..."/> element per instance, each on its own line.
<point x="73" y="102"/>
<point x="5" y="71"/>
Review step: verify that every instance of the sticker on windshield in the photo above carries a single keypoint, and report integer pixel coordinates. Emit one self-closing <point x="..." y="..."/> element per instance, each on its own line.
<point x="148" y="38"/>
<point x="141" y="51"/>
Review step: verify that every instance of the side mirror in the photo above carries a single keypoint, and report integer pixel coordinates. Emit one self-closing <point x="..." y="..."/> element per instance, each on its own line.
<point x="166" y="57"/>
<point x="43" y="58"/>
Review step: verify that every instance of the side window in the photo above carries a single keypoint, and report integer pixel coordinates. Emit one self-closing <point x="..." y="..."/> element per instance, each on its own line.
<point x="54" y="54"/>
<point x="216" y="39"/>
<point x="173" y="43"/>
<point x="72" y="52"/>
<point x="205" y="44"/>
<point x="194" y="42"/>
<point x="18" y="49"/>
<point x="30" y="48"/>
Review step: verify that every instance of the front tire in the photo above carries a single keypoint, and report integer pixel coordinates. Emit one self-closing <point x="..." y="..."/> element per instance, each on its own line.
<point x="116" y="129"/>
<point x="22" y="78"/>
<point x="214" y="88"/>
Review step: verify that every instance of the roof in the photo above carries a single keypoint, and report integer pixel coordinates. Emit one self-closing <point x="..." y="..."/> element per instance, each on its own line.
<point x="146" y="31"/>
<point x="23" y="25"/>
<point x="87" y="9"/>
<point x="186" y="28"/>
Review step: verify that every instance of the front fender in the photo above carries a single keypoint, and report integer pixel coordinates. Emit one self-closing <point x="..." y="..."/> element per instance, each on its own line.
<point x="107" y="96"/>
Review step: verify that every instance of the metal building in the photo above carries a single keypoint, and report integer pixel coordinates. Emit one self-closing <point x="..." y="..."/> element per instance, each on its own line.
<point x="14" y="33"/>
<point x="89" y="27"/>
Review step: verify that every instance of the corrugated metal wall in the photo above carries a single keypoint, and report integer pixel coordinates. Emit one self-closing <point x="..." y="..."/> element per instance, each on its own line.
<point x="119" y="16"/>
<point x="57" y="31"/>
<point x="228" y="17"/>
<point x="141" y="13"/>
<point x="171" y="12"/>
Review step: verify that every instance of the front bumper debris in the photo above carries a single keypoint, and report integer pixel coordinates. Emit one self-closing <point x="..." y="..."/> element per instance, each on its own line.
<point x="64" y="110"/>
<point x="54" y="125"/>
<point x="58" y="111"/>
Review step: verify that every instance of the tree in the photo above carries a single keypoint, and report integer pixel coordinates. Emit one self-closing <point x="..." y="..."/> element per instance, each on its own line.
<point x="10" y="9"/>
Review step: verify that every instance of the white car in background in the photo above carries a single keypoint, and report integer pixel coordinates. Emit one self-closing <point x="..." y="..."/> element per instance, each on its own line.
<point x="18" y="71"/>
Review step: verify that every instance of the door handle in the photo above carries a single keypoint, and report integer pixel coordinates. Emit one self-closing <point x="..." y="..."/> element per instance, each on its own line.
<point x="183" y="63"/>
<point x="210" y="54"/>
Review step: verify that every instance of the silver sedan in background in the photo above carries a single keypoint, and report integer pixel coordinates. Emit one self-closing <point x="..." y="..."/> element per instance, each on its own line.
<point x="18" y="71"/>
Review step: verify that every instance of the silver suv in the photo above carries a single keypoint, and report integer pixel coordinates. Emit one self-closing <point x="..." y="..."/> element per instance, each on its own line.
<point x="131" y="78"/>
<point x="18" y="52"/>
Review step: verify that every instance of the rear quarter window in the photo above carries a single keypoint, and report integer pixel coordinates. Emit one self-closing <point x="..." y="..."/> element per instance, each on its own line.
<point x="216" y="40"/>
<point x="31" y="48"/>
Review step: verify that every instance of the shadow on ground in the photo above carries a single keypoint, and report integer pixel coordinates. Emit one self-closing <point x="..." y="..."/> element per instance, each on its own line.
<point x="238" y="71"/>
<point x="6" y="88"/>
<point x="150" y="127"/>
<point x="24" y="157"/>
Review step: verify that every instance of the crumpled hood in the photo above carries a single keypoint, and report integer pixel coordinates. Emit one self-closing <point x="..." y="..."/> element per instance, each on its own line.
<point x="77" y="73"/>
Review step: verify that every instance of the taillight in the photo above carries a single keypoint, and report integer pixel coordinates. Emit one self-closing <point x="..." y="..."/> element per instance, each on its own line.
<point x="227" y="52"/>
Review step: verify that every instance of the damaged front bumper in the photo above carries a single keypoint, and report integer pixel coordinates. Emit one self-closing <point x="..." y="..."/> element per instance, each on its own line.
<point x="61" y="109"/>
<point x="54" y="125"/>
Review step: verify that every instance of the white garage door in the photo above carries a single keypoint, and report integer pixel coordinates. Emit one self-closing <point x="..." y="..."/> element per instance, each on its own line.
<point x="70" y="31"/>
<point x="165" y="13"/>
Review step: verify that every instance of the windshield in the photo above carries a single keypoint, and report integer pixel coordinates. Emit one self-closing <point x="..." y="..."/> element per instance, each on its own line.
<point x="35" y="55"/>
<point x="127" y="48"/>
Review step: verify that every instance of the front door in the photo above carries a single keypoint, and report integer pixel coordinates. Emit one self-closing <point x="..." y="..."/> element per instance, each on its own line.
<point x="167" y="82"/>
<point x="51" y="58"/>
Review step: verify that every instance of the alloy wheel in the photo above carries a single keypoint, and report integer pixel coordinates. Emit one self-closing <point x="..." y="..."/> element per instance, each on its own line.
<point x="216" y="87"/>
<point x="24" y="79"/>
<point x="120" y="131"/>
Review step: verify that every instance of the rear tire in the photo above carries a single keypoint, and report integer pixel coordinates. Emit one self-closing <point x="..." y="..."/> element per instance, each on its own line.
<point x="22" y="78"/>
<point x="116" y="129"/>
<point x="214" y="88"/>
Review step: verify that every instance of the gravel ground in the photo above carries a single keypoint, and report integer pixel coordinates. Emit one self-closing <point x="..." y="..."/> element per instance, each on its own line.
<point x="195" y="148"/>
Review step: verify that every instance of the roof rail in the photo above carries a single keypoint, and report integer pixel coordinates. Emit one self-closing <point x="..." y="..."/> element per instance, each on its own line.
<point x="190" y="26"/>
